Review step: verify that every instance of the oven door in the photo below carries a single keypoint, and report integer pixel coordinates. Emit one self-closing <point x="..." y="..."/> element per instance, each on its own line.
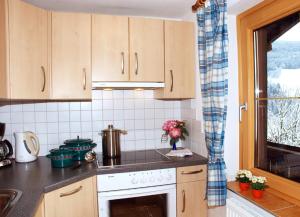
<point x="158" y="201"/>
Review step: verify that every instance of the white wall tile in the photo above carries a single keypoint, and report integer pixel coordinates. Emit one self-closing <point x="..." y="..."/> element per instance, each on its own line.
<point x="135" y="111"/>
<point x="63" y="116"/>
<point x="75" y="127"/>
<point x="86" y="116"/>
<point x="28" y="107"/>
<point x="74" y="116"/>
<point x="40" y="117"/>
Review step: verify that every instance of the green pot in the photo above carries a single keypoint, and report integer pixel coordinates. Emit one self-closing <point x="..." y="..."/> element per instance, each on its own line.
<point x="79" y="146"/>
<point x="61" y="158"/>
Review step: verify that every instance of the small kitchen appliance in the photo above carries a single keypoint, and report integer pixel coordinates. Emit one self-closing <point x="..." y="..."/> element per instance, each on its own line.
<point x="27" y="147"/>
<point x="111" y="142"/>
<point x="6" y="149"/>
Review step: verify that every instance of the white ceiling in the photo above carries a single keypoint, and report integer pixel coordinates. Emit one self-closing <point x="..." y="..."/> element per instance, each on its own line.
<point x="150" y="8"/>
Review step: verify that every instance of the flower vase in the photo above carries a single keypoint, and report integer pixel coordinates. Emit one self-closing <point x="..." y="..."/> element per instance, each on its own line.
<point x="174" y="146"/>
<point x="244" y="186"/>
<point x="257" y="193"/>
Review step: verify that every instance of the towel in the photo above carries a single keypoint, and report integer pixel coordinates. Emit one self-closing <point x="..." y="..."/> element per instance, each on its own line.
<point x="180" y="153"/>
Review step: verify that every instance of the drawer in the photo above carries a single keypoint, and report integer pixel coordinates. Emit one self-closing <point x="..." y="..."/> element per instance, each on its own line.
<point x="191" y="174"/>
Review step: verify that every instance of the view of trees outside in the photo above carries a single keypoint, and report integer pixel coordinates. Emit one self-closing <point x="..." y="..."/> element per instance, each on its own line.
<point x="284" y="83"/>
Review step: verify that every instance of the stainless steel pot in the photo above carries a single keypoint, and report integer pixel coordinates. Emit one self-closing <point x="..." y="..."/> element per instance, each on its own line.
<point x="111" y="142"/>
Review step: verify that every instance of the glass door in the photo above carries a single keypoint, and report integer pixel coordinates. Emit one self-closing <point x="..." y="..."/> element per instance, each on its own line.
<point x="146" y="206"/>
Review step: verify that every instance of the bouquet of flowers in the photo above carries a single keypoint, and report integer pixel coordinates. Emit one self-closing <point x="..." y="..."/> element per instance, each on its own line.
<point x="176" y="130"/>
<point x="258" y="182"/>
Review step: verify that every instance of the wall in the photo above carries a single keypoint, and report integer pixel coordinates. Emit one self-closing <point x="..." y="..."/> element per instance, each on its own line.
<point x="136" y="111"/>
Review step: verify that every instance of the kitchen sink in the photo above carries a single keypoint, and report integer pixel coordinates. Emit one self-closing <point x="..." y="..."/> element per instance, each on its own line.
<point x="8" y="198"/>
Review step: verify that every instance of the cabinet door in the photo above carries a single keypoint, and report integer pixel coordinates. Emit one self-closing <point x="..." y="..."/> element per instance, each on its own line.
<point x="71" y="56"/>
<point x="191" y="199"/>
<point x="40" y="212"/>
<point x="28" y="64"/>
<point x="179" y="61"/>
<point x="76" y="200"/>
<point x="110" y="48"/>
<point x="146" y="50"/>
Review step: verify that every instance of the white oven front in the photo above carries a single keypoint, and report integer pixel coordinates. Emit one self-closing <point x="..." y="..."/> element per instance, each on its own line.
<point x="156" y="201"/>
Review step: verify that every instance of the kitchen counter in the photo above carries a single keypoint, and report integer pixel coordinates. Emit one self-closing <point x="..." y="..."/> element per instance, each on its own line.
<point x="38" y="177"/>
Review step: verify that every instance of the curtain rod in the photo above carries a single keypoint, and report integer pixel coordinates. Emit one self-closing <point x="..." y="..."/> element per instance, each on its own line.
<point x="197" y="5"/>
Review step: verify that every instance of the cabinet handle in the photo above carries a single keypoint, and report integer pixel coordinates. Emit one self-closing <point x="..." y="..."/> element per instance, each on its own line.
<point x="192" y="172"/>
<point x="172" y="80"/>
<point x="71" y="192"/>
<point x="136" y="63"/>
<point x="183" y="201"/>
<point x="84" y="78"/>
<point x="122" y="63"/>
<point x="44" y="76"/>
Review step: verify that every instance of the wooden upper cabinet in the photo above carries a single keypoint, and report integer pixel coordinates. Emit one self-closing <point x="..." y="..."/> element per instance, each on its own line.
<point x="110" y="54"/>
<point x="76" y="200"/>
<point x="146" y="50"/>
<point x="26" y="65"/>
<point x="179" y="61"/>
<point x="71" y="56"/>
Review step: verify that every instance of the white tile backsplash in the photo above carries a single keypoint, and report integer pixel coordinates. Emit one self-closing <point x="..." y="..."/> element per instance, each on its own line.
<point x="135" y="111"/>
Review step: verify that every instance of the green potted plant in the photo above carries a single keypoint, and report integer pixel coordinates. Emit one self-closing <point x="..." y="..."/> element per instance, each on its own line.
<point x="258" y="184"/>
<point x="244" y="178"/>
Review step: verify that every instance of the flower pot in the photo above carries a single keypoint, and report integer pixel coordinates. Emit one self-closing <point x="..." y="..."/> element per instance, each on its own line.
<point x="257" y="193"/>
<point x="244" y="186"/>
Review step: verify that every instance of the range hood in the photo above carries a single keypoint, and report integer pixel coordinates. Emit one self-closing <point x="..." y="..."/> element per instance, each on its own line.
<point x="127" y="85"/>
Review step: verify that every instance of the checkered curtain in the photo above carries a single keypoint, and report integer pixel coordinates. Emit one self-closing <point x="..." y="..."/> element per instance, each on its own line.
<point x="213" y="60"/>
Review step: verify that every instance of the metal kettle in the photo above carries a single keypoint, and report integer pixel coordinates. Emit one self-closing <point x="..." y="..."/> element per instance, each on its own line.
<point x="111" y="142"/>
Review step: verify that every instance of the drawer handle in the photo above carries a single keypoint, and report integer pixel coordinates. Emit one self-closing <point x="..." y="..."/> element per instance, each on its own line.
<point x="84" y="78"/>
<point x="192" y="172"/>
<point x="136" y="63"/>
<point x="71" y="192"/>
<point x="172" y="81"/>
<point x="122" y="63"/>
<point x="183" y="201"/>
<point x="44" y="76"/>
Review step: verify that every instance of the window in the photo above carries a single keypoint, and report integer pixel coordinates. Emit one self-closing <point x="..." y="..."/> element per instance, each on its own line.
<point x="268" y="64"/>
<point x="277" y="97"/>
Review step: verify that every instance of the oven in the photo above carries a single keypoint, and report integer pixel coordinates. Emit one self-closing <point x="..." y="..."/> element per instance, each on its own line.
<point x="138" y="194"/>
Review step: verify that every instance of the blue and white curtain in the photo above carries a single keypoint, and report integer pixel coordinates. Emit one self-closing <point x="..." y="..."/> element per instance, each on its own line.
<point x="213" y="60"/>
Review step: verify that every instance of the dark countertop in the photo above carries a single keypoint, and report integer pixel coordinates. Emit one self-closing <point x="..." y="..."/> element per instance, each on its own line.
<point x="38" y="177"/>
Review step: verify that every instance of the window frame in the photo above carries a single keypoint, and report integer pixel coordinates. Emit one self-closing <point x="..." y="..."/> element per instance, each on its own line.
<point x="263" y="14"/>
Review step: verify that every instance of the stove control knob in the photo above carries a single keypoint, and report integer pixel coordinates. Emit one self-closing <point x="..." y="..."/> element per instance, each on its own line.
<point x="160" y="178"/>
<point x="143" y="180"/>
<point x="169" y="177"/>
<point x="134" y="181"/>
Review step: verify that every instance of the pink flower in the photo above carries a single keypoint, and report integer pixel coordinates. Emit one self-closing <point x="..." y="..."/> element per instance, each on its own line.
<point x="175" y="133"/>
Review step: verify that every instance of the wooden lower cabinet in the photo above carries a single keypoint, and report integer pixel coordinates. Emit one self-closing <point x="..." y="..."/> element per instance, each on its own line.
<point x="40" y="212"/>
<point x="191" y="191"/>
<point x="75" y="200"/>
<point x="191" y="199"/>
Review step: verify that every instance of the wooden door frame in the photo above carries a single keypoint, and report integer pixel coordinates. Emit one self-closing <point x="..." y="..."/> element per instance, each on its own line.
<point x="264" y="13"/>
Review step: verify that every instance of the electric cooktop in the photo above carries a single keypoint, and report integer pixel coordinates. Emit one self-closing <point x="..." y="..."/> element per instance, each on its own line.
<point x="133" y="158"/>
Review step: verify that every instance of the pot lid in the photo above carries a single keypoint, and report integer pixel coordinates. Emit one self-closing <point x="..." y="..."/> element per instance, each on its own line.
<point x="60" y="151"/>
<point x="111" y="128"/>
<point x="78" y="141"/>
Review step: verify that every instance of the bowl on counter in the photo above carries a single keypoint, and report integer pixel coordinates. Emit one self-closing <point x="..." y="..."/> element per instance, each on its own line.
<point x="61" y="158"/>
<point x="79" y="146"/>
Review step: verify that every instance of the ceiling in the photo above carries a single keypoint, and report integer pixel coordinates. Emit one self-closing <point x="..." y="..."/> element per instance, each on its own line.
<point x="176" y="9"/>
<point x="151" y="8"/>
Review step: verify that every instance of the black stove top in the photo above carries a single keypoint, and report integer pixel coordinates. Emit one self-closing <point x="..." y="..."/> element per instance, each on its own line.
<point x="133" y="158"/>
